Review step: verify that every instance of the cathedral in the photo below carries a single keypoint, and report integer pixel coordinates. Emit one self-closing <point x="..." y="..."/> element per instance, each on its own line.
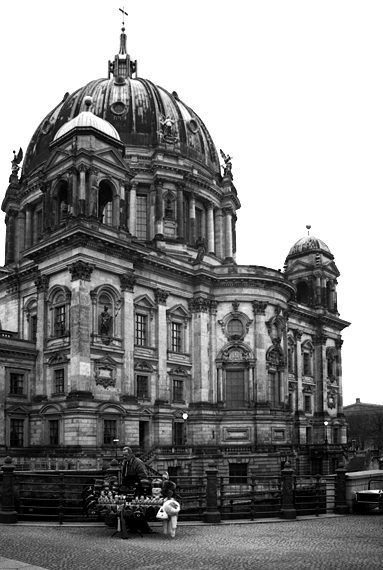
<point x="124" y="317"/>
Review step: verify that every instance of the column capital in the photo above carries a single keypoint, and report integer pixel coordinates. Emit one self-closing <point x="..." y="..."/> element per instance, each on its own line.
<point x="42" y="283"/>
<point x="80" y="270"/>
<point x="160" y="296"/>
<point x="297" y="334"/>
<point x="259" y="307"/>
<point x="127" y="282"/>
<point x="82" y="167"/>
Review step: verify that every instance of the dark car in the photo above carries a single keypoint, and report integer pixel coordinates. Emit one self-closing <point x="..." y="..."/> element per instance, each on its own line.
<point x="371" y="498"/>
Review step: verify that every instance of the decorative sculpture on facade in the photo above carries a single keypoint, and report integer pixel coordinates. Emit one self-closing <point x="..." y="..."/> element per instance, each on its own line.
<point x="228" y="165"/>
<point x="167" y="126"/>
<point x="105" y="322"/>
<point x="15" y="163"/>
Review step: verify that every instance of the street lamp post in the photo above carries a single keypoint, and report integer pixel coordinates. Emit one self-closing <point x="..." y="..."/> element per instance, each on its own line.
<point x="116" y="441"/>
<point x="325" y="427"/>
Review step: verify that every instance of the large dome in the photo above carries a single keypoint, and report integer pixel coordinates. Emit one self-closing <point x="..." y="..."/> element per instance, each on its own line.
<point x="134" y="107"/>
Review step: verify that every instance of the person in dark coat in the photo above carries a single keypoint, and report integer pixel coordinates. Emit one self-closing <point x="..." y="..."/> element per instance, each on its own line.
<point x="133" y="471"/>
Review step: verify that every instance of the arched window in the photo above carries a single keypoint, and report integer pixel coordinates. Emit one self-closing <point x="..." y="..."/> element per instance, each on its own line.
<point x="59" y="303"/>
<point x="303" y="293"/>
<point x="105" y="204"/>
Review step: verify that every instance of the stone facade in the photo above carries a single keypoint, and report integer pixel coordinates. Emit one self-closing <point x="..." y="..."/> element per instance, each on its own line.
<point x="122" y="306"/>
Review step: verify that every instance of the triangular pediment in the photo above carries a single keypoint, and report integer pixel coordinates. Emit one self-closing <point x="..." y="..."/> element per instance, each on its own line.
<point x="111" y="156"/>
<point x="300" y="266"/>
<point x="145" y="301"/>
<point x="106" y="361"/>
<point x="17" y="409"/>
<point x="58" y="158"/>
<point x="179" y="311"/>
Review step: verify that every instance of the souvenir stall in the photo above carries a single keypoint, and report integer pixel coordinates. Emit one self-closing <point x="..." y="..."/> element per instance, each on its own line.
<point x="124" y="508"/>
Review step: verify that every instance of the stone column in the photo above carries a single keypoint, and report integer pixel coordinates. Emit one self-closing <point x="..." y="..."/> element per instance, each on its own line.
<point x="28" y="226"/>
<point x="338" y="345"/>
<point x="74" y="191"/>
<point x="42" y="284"/>
<point x="124" y="222"/>
<point x="212" y="514"/>
<point x="21" y="232"/>
<point x="219" y="243"/>
<point x="287" y="510"/>
<point x="116" y="209"/>
<point x="341" y="507"/>
<point x="128" y="281"/>
<point x="298" y="369"/>
<point x="213" y="393"/>
<point x="8" y="515"/>
<point x="320" y="372"/>
<point x="93" y="192"/>
<point x="260" y="334"/>
<point x="228" y="234"/>
<point x="163" y="393"/>
<point x="159" y="220"/>
<point x="79" y="323"/>
<point x="10" y="220"/>
<point x="199" y="307"/>
<point x="210" y="228"/>
<point x="82" y="190"/>
<point x="152" y="211"/>
<point x="180" y="212"/>
<point x="133" y="208"/>
<point x="192" y="221"/>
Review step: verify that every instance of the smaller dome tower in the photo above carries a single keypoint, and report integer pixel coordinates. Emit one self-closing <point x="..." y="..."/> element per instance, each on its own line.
<point x="310" y="266"/>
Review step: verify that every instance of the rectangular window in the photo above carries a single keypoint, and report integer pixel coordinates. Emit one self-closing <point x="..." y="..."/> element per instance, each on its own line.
<point x="17" y="433"/>
<point x="178" y="433"/>
<point x="141" y="332"/>
<point x="178" y="391"/>
<point x="237" y="473"/>
<point x="110" y="431"/>
<point x="176" y="345"/>
<point x="142" y="387"/>
<point x="60" y="320"/>
<point x="274" y="388"/>
<point x="335" y="435"/>
<point x="309" y="435"/>
<point x="235" y="388"/>
<point x="16" y="384"/>
<point x="308" y="404"/>
<point x="53" y="432"/>
<point x="141" y="221"/>
<point x="33" y="327"/>
<point x="306" y="364"/>
<point x="59" y="377"/>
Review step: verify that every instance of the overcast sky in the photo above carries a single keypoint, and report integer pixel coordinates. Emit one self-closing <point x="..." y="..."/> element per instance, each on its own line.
<point x="293" y="90"/>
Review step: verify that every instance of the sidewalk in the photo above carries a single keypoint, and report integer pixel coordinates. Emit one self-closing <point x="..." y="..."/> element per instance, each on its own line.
<point x="341" y="542"/>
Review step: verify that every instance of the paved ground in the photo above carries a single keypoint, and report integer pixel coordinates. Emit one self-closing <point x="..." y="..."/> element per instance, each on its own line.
<point x="325" y="543"/>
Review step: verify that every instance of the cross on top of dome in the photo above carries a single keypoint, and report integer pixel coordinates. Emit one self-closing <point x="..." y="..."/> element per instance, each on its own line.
<point x="122" y="67"/>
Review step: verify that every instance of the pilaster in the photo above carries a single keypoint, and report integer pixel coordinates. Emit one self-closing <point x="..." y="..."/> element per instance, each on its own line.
<point x="163" y="393"/>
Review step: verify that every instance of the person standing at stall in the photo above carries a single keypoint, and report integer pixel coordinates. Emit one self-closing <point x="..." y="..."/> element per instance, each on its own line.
<point x="133" y="470"/>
